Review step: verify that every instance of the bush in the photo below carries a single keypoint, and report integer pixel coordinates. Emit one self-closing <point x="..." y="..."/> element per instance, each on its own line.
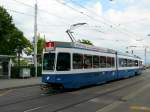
<point x="15" y="71"/>
<point x="39" y="71"/>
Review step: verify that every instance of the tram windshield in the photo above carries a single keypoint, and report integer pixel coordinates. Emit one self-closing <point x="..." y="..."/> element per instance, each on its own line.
<point x="48" y="61"/>
<point x="63" y="62"/>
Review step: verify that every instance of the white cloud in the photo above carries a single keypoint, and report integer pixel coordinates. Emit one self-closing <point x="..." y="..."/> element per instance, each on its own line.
<point x="56" y="18"/>
<point x="97" y="8"/>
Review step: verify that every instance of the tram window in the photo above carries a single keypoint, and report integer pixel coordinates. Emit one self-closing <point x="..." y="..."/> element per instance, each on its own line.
<point x="140" y="63"/>
<point x="112" y="62"/>
<point x="132" y="62"/>
<point x="129" y="63"/>
<point x="48" y="61"/>
<point x="122" y="62"/>
<point x="125" y="62"/>
<point x="77" y="61"/>
<point x="102" y="61"/>
<point x="108" y="63"/>
<point x="136" y="63"/>
<point x="87" y="61"/>
<point x="95" y="61"/>
<point x="63" y="62"/>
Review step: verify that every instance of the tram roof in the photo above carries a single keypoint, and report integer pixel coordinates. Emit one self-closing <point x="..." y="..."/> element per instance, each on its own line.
<point x="83" y="46"/>
<point x="129" y="55"/>
<point x="90" y="47"/>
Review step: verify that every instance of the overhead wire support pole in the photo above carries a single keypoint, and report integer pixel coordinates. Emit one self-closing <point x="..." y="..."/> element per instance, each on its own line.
<point x="145" y="55"/>
<point x="35" y="39"/>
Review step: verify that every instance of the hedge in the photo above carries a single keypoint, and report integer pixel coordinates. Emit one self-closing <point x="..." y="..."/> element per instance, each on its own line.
<point x="15" y="71"/>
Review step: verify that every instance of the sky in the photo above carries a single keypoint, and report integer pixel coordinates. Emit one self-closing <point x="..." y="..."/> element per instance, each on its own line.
<point x="115" y="24"/>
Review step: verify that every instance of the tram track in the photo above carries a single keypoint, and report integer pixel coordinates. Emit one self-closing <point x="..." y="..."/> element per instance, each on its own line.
<point x="100" y="95"/>
<point x="43" y="95"/>
<point x="107" y="91"/>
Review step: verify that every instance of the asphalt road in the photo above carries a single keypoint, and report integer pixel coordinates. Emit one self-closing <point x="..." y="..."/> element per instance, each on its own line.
<point x="128" y="95"/>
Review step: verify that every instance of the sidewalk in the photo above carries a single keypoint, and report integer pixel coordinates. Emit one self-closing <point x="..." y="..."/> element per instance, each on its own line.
<point x="18" y="83"/>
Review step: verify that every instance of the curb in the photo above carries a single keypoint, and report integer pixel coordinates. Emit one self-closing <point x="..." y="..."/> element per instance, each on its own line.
<point x="17" y="87"/>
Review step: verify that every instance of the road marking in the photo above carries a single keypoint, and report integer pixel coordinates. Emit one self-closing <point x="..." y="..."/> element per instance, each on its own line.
<point x="36" y="108"/>
<point x="32" y="109"/>
<point x="75" y="92"/>
<point x="140" y="108"/>
<point x="110" y="107"/>
<point x="6" y="92"/>
<point x="96" y="100"/>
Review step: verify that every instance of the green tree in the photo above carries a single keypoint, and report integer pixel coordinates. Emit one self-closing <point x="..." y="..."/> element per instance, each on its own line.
<point x="83" y="41"/>
<point x="40" y="47"/>
<point x="12" y="40"/>
<point x="23" y="62"/>
<point x="28" y="50"/>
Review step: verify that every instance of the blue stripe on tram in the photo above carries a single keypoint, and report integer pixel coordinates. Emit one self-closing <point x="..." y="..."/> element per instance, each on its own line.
<point x="84" y="79"/>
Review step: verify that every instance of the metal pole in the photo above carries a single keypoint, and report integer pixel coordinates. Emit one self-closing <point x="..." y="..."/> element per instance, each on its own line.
<point x="145" y="55"/>
<point x="132" y="51"/>
<point x="35" y="39"/>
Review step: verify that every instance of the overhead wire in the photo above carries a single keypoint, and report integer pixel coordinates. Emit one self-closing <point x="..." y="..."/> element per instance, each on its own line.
<point x="45" y="11"/>
<point x="79" y="11"/>
<point x="49" y="12"/>
<point x="24" y="4"/>
<point x="19" y="12"/>
<point x="100" y="38"/>
<point x="108" y="22"/>
<point x="82" y="13"/>
<point x="76" y="10"/>
<point x="42" y="10"/>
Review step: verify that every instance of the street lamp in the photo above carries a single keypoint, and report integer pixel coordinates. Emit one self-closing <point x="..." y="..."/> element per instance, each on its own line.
<point x="72" y="27"/>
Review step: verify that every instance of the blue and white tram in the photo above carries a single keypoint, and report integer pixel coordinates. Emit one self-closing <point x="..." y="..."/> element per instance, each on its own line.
<point x="74" y="65"/>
